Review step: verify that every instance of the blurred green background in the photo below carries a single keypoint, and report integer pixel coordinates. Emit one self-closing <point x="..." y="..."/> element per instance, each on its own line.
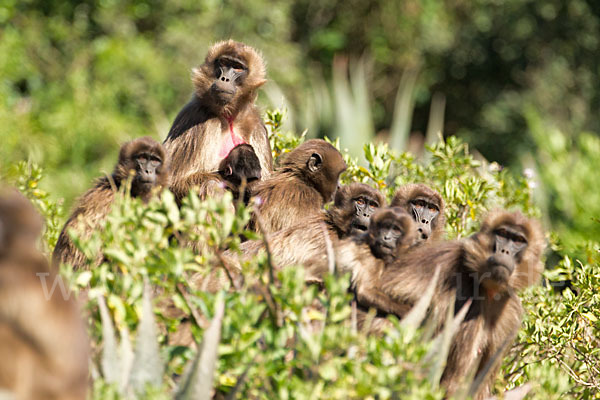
<point x="519" y="80"/>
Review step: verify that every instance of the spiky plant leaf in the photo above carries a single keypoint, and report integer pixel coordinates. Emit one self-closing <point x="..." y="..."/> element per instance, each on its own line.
<point x="517" y="393"/>
<point x="413" y="319"/>
<point x="440" y="349"/>
<point x="403" y="110"/>
<point x="441" y="344"/>
<point x="147" y="366"/>
<point x="198" y="380"/>
<point x="127" y="356"/>
<point x="489" y="366"/>
<point x="110" y="356"/>
<point x="6" y="395"/>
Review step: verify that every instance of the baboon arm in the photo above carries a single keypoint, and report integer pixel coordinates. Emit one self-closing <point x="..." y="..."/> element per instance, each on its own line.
<point x="373" y="297"/>
<point x="207" y="181"/>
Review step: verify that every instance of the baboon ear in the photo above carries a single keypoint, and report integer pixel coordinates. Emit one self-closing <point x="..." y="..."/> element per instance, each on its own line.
<point x="229" y="171"/>
<point x="314" y="162"/>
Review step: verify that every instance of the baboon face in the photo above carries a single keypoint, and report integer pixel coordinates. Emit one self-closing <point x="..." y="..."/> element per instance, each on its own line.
<point x="146" y="166"/>
<point x="364" y="206"/>
<point x="390" y="230"/>
<point x="229" y="74"/>
<point x="146" y="158"/>
<point x="509" y="242"/>
<point x="424" y="212"/>
<point x="426" y="207"/>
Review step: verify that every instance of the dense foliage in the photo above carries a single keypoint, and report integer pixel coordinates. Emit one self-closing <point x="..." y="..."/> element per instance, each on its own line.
<point x="516" y="79"/>
<point x="280" y="339"/>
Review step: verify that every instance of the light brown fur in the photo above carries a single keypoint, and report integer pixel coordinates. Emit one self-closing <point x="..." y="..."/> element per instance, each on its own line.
<point x="361" y="256"/>
<point x="300" y="243"/>
<point x="294" y="193"/>
<point x="20" y="224"/>
<point x="43" y="342"/>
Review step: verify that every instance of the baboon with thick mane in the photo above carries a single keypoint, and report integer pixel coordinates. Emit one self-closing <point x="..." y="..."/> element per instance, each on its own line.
<point x="487" y="269"/>
<point x="220" y="116"/>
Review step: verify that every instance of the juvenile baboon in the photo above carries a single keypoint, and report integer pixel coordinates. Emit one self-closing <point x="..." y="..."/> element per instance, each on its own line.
<point x="306" y="179"/>
<point x="239" y="170"/>
<point x="488" y="269"/>
<point x="347" y="216"/>
<point x="427" y="208"/>
<point x="148" y="161"/>
<point x="390" y="234"/>
<point x="220" y="115"/>
<point x="300" y="243"/>
<point x="43" y="342"/>
<point x="353" y="206"/>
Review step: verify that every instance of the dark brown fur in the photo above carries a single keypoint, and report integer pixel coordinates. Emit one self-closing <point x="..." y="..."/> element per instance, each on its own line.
<point x="200" y="131"/>
<point x="240" y="169"/>
<point x="93" y="207"/>
<point x="469" y="273"/>
<point x="298" y="189"/>
<point x="43" y="342"/>
<point x="406" y="194"/>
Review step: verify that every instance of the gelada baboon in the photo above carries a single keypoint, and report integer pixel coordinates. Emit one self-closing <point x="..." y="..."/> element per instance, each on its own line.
<point x="220" y="115"/>
<point x="488" y="269"/>
<point x="306" y="179"/>
<point x="347" y="216"/>
<point x="296" y="245"/>
<point x="148" y="161"/>
<point x="240" y="170"/>
<point x="43" y="342"/>
<point x="352" y="208"/>
<point x="427" y="208"/>
<point x="391" y="233"/>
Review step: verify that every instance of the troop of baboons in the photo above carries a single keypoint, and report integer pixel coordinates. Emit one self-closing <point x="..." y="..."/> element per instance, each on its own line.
<point x="219" y="143"/>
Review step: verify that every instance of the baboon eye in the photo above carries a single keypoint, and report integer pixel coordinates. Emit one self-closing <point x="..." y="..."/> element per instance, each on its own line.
<point x="360" y="202"/>
<point x="519" y="239"/>
<point x="502" y="232"/>
<point x="419" y="203"/>
<point x="142" y="159"/>
<point x="433" y="208"/>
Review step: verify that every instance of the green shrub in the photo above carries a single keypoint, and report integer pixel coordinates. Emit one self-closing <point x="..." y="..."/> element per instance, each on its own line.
<point x="281" y="339"/>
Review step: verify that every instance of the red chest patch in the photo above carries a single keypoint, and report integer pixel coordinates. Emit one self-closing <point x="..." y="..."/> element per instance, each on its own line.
<point x="230" y="141"/>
